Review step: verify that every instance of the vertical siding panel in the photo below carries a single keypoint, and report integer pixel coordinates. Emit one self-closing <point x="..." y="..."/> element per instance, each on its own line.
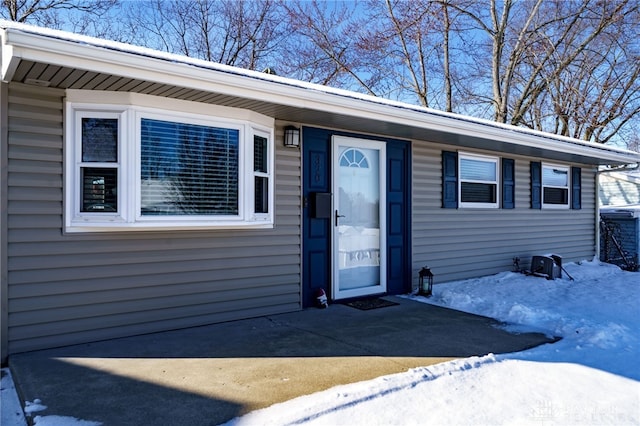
<point x="465" y="243"/>
<point x="67" y="289"/>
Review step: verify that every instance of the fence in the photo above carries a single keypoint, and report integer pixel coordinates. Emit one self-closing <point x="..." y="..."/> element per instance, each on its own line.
<point x="619" y="240"/>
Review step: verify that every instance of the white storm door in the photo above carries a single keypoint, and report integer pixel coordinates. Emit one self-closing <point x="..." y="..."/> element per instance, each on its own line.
<point x="359" y="222"/>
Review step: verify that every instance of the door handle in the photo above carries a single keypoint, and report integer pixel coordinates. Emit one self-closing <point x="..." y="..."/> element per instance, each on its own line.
<point x="338" y="216"/>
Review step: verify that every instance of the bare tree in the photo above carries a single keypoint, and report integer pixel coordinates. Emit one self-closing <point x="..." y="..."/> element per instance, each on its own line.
<point x="406" y="32"/>
<point x="564" y="67"/>
<point x="77" y="15"/>
<point x="239" y="33"/>
<point x="326" y="45"/>
<point x="446" y="67"/>
<point x="592" y="93"/>
<point x="508" y="30"/>
<point x="393" y="48"/>
<point x="570" y="67"/>
<point x="567" y="67"/>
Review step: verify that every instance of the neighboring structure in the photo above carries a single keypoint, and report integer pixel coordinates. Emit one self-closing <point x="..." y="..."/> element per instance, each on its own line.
<point x="620" y="188"/>
<point x="143" y="191"/>
<point x="619" y="195"/>
<point x="620" y="236"/>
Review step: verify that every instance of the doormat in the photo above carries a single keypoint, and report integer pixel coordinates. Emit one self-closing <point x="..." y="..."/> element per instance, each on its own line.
<point x="373" y="303"/>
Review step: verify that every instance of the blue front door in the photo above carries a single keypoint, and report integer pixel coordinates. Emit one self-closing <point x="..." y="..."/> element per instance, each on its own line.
<point x="356" y="215"/>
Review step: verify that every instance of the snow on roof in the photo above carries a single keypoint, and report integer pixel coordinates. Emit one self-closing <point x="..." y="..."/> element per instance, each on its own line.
<point x="256" y="75"/>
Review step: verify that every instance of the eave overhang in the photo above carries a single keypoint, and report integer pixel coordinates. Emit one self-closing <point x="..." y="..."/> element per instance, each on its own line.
<point x="283" y="98"/>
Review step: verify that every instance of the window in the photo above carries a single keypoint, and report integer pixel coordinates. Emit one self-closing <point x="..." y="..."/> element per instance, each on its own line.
<point x="481" y="181"/>
<point x="135" y="167"/>
<point x="478" y="183"/>
<point x="188" y="169"/>
<point x="261" y="174"/>
<point x="555" y="186"/>
<point x="99" y="163"/>
<point x="354" y="158"/>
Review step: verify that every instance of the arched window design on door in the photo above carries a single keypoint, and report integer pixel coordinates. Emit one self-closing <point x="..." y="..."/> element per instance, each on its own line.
<point x="353" y="157"/>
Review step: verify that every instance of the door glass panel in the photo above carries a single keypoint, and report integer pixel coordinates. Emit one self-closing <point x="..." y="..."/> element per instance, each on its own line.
<point x="358" y="223"/>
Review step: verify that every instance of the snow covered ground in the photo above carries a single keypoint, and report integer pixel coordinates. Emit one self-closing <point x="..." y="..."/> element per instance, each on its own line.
<point x="590" y="377"/>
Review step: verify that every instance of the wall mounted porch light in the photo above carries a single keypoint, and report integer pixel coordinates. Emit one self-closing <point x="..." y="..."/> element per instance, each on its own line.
<point x="291" y="137"/>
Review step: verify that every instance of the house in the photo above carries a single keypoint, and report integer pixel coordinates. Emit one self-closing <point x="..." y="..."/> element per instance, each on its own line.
<point x="143" y="191"/>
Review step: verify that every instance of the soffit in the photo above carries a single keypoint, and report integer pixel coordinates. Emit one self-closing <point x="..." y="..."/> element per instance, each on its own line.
<point x="63" y="77"/>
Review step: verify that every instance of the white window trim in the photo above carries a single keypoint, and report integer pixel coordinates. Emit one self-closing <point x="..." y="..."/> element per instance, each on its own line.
<point x="130" y="109"/>
<point x="487" y="158"/>
<point x="543" y="186"/>
<point x="77" y="159"/>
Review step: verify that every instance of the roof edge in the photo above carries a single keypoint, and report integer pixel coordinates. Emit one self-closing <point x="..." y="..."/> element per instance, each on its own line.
<point x="21" y="41"/>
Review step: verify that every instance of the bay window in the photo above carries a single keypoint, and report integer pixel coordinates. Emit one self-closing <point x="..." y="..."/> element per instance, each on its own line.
<point x="132" y="167"/>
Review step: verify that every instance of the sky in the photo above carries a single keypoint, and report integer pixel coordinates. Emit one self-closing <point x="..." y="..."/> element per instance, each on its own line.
<point x="590" y="377"/>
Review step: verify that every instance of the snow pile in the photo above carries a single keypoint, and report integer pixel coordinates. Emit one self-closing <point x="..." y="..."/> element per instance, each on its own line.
<point x="597" y="315"/>
<point x="10" y="411"/>
<point x="480" y="391"/>
<point x="62" y="421"/>
<point x="36" y="405"/>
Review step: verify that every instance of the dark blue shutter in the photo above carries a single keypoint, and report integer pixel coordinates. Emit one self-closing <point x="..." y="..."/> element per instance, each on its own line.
<point x="449" y="179"/>
<point x="576" y="188"/>
<point x="508" y="184"/>
<point x="398" y="217"/>
<point x="536" y="185"/>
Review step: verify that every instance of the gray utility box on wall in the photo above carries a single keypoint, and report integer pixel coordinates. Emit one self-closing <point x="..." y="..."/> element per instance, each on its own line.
<point x="620" y="235"/>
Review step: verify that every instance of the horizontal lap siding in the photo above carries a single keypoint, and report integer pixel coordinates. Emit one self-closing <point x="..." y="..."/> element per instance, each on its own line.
<point x="67" y="289"/>
<point x="465" y="243"/>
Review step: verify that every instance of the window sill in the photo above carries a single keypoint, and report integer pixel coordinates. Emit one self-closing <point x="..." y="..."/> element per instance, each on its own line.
<point x="84" y="227"/>
<point x="555" y="207"/>
<point x="478" y="206"/>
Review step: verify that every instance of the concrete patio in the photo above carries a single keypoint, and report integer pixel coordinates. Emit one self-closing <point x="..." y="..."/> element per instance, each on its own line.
<point x="211" y="374"/>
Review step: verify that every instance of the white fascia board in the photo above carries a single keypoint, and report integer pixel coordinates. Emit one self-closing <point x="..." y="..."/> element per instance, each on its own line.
<point x="9" y="60"/>
<point x="149" y="65"/>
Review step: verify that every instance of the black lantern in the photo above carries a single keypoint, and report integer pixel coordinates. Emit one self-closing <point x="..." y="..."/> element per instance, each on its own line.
<point x="425" y="286"/>
<point x="291" y="137"/>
